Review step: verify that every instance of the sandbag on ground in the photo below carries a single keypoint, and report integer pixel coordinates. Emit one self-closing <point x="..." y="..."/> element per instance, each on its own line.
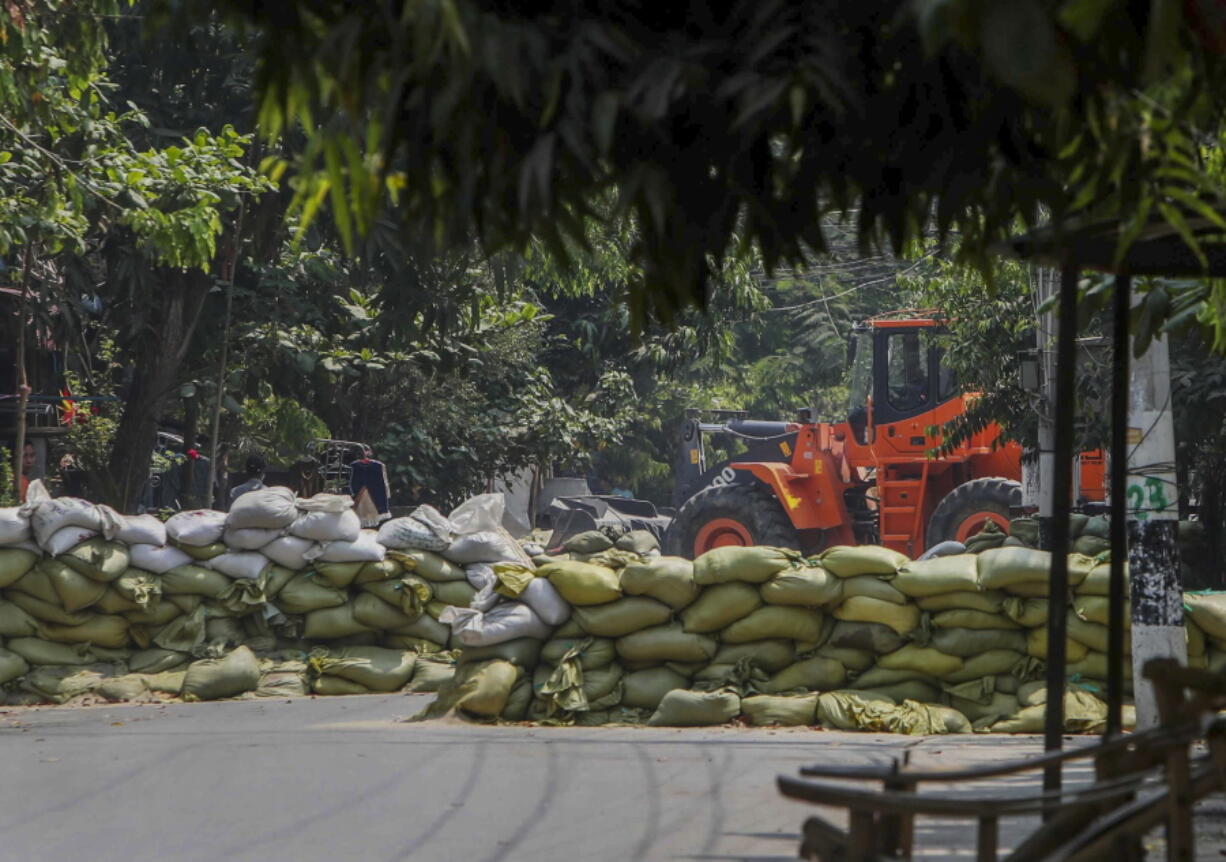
<point x="682" y="708"/>
<point x="376" y="668"/>
<point x="430" y="675"/>
<point x="211" y="679"/>
<point x="810" y="674"/>
<point x="753" y="565"/>
<point x="644" y="689"/>
<point x="665" y="579"/>
<point x="480" y="690"/>
<point x="770" y="655"/>
<point x="774" y="710"/>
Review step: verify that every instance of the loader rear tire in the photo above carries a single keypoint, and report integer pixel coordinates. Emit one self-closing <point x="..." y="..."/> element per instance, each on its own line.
<point x="963" y="511"/>
<point x="729" y="515"/>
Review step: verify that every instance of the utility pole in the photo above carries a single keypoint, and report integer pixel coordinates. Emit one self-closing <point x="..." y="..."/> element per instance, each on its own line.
<point x="1153" y="521"/>
<point x="1037" y="476"/>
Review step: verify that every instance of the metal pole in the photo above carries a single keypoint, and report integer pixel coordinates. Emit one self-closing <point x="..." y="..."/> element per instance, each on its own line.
<point x="215" y="424"/>
<point x="1120" y="355"/>
<point x="1046" y="431"/>
<point x="1061" y="508"/>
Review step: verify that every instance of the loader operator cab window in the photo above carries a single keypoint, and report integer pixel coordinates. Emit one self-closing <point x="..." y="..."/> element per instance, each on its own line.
<point x="907" y="372"/>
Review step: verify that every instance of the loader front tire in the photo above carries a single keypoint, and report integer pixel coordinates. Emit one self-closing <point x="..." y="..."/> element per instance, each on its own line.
<point x="729" y="515"/>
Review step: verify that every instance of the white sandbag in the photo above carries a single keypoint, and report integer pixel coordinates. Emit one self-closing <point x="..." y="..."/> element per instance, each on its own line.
<point x="488" y="546"/>
<point x="249" y="538"/>
<point x="247" y="565"/>
<point x="48" y="517"/>
<point x="544" y="598"/>
<point x="442" y="527"/>
<point x="482" y="578"/>
<point x="405" y="534"/>
<point x="324" y="502"/>
<point x="366" y="549"/>
<point x="324" y="526"/>
<point x="140" y="530"/>
<point x="14" y="526"/>
<point x="273" y="508"/>
<point x="196" y="527"/>
<point x="158" y="559"/>
<point x="289" y="552"/>
<point x="478" y="514"/>
<point x="67" y="538"/>
<point x="505" y="622"/>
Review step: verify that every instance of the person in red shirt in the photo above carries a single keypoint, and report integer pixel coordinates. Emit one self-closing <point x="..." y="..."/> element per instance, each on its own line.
<point x="28" y="458"/>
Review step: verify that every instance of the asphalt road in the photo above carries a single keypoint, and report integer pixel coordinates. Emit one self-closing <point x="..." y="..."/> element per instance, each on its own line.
<point x="343" y="778"/>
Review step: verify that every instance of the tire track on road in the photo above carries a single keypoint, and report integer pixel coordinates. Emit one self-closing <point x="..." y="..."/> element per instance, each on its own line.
<point x="458" y="802"/>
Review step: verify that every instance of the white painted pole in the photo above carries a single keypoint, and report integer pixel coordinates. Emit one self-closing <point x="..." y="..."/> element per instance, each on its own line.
<point x="1040" y="484"/>
<point x="1153" y="520"/>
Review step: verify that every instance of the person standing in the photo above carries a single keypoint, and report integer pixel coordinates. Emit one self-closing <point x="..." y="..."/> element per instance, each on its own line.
<point x="29" y="457"/>
<point x="254" y="481"/>
<point x="370" y="489"/>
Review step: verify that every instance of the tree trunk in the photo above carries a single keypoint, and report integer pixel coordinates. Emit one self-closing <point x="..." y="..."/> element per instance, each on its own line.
<point x="23" y="383"/>
<point x="157" y="360"/>
<point x="191" y="427"/>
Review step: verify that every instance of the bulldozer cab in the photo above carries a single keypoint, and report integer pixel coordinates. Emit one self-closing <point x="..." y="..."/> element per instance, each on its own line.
<point x="896" y="373"/>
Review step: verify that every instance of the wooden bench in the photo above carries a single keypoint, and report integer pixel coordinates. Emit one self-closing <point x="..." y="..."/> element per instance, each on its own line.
<point x="1141" y="780"/>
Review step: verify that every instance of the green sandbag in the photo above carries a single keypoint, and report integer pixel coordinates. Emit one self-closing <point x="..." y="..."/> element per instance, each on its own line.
<point x="339" y="575"/>
<point x="765" y="710"/>
<point x="428" y="628"/>
<point x="666" y="643"/>
<point x="522" y="652"/>
<point x="988" y="601"/>
<point x="770" y="655"/>
<point x="984" y="664"/>
<point x="1208" y="611"/>
<point x="14" y="563"/>
<point x="965" y="643"/>
<point x="75" y="591"/>
<point x="682" y="708"/>
<point x="123" y="689"/>
<point x="224" y="631"/>
<point x="12" y="666"/>
<point x="143" y="589"/>
<point x="582" y="583"/>
<point x="103" y="630"/>
<point x="644" y="689"/>
<point x="958" y="573"/>
<point x="1028" y="613"/>
<point x="275" y="578"/>
<point x="336" y="686"/>
<point x="98" y="559"/>
<point x="613" y="558"/>
<point x="868" y="637"/>
<point x="458" y="593"/>
<point x="1030" y="590"/>
<point x="308" y="592"/>
<point x="1098" y="581"/>
<point x="62" y="684"/>
<point x="288" y="679"/>
<point x="194" y="581"/>
<point x="857" y="660"/>
<point x="847" y="561"/>
<point x="967" y="619"/>
<point x="183" y="633"/>
<point x="37" y="584"/>
<point x="903" y="619"/>
<point x="638" y="541"/>
<point x="427" y="564"/>
<point x="776" y="621"/>
<point x="374" y="613"/>
<point x="480" y="690"/>
<point x="594" y="652"/>
<point x="1093" y="635"/>
<point x="39" y="652"/>
<point x="666" y="579"/>
<point x="379" y="570"/>
<point x="156" y="660"/>
<point x="877" y="677"/>
<point x="810" y="674"/>
<point x="1001" y="568"/>
<point x="912" y="689"/>
<point x="720" y="606"/>
<point x="1091" y="546"/>
<point x="429" y="675"/>
<point x="1082" y="713"/>
<point x="376" y="668"/>
<point x="567" y="688"/>
<point x="1026" y="530"/>
<point x="1036" y="645"/>
<point x="49" y="612"/>
<point x="331" y="623"/>
<point x="925" y="660"/>
<point x="1094" y="666"/>
<point x="1197" y="643"/>
<point x="753" y="565"/>
<point x="589" y="542"/>
<point x="201" y="553"/>
<point x="1096" y="609"/>
<point x="214" y="678"/>
<point x="167" y="682"/>
<point x="15" y="622"/>
<point x="850" y="710"/>
<point x="410" y="594"/>
<point x="156" y="615"/>
<point x="999" y="706"/>
<point x="112" y="602"/>
<point x="873" y="587"/>
<point x="621" y="617"/>
<point x="518" y="702"/>
<point x="809" y="587"/>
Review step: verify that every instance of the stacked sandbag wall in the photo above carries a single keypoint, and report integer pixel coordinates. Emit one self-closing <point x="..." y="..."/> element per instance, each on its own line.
<point x="279" y="596"/>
